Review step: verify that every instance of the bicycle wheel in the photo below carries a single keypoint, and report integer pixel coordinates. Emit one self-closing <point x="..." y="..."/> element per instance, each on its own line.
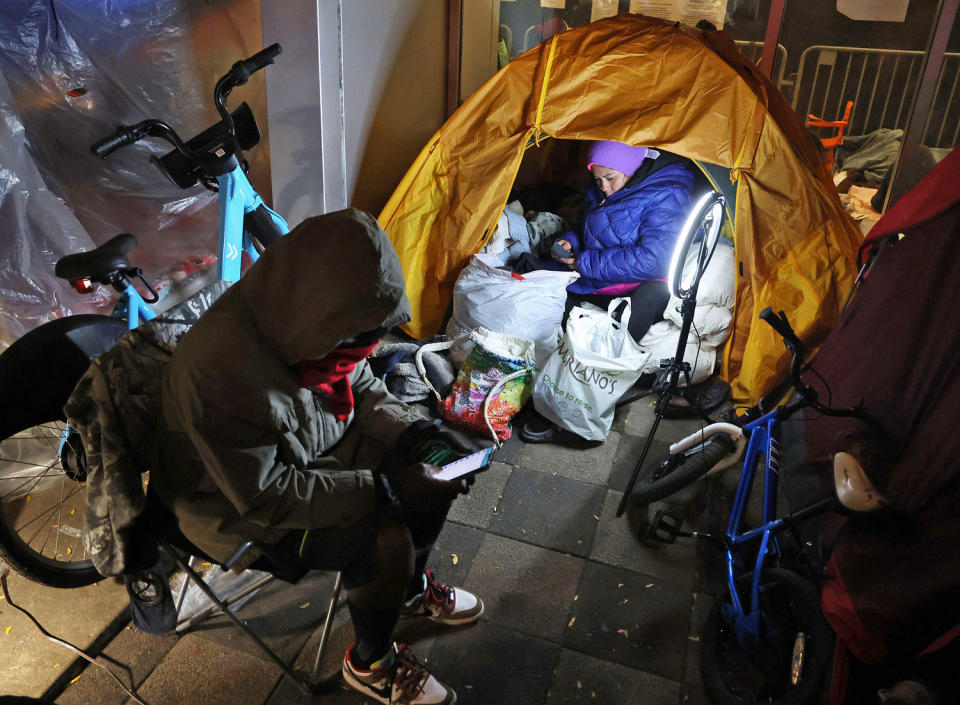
<point x="794" y="649"/>
<point x="677" y="471"/>
<point x="42" y="499"/>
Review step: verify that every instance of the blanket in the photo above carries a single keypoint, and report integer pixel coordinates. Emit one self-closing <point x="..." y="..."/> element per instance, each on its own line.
<point x="712" y="318"/>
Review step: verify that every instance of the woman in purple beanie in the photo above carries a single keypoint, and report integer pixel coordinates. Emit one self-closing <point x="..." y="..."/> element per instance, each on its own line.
<point x="629" y="224"/>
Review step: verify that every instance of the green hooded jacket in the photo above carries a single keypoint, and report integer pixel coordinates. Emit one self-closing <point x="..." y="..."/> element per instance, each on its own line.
<point x="244" y="451"/>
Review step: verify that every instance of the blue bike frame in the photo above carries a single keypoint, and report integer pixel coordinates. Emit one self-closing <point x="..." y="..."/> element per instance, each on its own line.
<point x="746" y="625"/>
<point x="237" y="198"/>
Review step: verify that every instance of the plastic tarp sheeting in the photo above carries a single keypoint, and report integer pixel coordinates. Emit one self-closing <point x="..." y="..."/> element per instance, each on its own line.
<point x="75" y="70"/>
<point x="645" y="82"/>
<point x="36" y="229"/>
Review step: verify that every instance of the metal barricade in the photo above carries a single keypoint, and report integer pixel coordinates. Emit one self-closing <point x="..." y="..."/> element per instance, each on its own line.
<point x="882" y="83"/>
<point x="754" y="50"/>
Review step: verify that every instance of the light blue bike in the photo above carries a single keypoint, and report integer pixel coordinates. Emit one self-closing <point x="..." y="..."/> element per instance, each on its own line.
<point x="42" y="464"/>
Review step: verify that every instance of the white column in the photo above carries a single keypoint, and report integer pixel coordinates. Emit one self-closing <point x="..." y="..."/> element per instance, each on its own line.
<point x="304" y="107"/>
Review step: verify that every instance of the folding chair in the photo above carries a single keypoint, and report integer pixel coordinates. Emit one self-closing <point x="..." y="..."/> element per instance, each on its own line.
<point x="159" y="524"/>
<point x="162" y="525"/>
<point x="834" y="141"/>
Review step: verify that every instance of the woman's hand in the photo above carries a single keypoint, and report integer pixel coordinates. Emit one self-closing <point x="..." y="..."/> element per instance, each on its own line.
<point x="569" y="261"/>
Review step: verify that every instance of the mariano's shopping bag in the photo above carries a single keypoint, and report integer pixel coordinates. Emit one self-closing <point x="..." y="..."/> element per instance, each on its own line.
<point x="495" y="380"/>
<point x="596" y="363"/>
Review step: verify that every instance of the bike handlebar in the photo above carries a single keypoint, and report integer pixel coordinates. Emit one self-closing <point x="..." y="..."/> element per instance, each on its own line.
<point x="261" y="59"/>
<point x="241" y="71"/>
<point x="781" y="324"/>
<point x="808" y="395"/>
<point x="128" y="134"/>
<point x="238" y="75"/>
<point x="122" y="137"/>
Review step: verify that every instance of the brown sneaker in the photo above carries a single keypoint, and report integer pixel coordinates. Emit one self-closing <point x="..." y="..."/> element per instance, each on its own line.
<point x="444" y="603"/>
<point x="397" y="679"/>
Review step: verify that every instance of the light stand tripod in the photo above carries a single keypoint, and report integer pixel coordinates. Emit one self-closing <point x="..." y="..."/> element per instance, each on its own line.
<point x="684" y="281"/>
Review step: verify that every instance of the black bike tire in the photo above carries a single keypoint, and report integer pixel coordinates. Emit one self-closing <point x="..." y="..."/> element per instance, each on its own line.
<point x="24" y="561"/>
<point x="697" y="465"/>
<point x="807" y="599"/>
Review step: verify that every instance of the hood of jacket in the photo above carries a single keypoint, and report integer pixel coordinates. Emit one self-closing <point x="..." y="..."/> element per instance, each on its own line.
<point x="332" y="277"/>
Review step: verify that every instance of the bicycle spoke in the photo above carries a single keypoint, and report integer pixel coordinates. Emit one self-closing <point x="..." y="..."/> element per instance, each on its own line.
<point x="59" y="506"/>
<point x="78" y="539"/>
<point x="51" y="520"/>
<point x="35" y="479"/>
<point x="28" y="463"/>
<point x="48" y="436"/>
<point x="52" y="530"/>
<point x="22" y="477"/>
<point x="42" y="515"/>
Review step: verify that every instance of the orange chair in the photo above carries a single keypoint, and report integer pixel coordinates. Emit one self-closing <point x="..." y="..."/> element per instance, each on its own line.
<point x="830" y="143"/>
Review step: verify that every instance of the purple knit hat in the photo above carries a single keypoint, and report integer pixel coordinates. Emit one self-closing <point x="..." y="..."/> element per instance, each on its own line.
<point x="616" y="155"/>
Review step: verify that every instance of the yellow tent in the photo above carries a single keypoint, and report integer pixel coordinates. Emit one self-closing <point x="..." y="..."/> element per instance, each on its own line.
<point x="644" y="82"/>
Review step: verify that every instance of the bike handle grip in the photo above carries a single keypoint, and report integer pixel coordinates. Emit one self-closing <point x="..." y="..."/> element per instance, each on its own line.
<point x="121" y="138"/>
<point x="780" y="324"/>
<point x="262" y="58"/>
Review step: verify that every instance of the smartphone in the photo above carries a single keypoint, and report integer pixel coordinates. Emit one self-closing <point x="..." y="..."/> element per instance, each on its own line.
<point x="470" y="464"/>
<point x="560" y="251"/>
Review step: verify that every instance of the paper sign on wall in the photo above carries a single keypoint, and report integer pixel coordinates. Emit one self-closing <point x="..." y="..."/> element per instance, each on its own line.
<point x="603" y="8"/>
<point x="556" y="4"/>
<point x="687" y="12"/>
<point x="874" y="10"/>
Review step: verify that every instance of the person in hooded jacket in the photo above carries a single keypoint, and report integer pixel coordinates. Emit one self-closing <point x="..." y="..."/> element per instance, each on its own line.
<point x="263" y="407"/>
<point x="631" y="218"/>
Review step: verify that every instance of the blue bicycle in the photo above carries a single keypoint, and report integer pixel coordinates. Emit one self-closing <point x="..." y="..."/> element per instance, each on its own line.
<point x="765" y="640"/>
<point x="42" y="465"/>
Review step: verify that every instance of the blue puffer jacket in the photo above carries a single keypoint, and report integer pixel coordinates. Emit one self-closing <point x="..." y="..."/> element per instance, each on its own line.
<point x="630" y="236"/>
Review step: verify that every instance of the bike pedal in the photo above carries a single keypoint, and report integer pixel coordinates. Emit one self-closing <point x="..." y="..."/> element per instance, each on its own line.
<point x="665" y="527"/>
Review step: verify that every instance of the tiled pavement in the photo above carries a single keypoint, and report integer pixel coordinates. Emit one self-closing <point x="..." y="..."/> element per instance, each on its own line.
<point x="578" y="610"/>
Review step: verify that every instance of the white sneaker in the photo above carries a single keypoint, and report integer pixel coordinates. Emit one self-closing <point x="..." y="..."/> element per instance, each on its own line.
<point x="397" y="679"/>
<point x="443" y="603"/>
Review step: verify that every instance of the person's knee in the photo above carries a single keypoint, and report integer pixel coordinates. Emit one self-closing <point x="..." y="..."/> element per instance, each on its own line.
<point x="647" y="304"/>
<point x="394" y="544"/>
<point x="385" y="570"/>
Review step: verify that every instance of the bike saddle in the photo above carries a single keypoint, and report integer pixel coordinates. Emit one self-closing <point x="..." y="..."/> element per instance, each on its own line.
<point x="99" y="263"/>
<point x="853" y="487"/>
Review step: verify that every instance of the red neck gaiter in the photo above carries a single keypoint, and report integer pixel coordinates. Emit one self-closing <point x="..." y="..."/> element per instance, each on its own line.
<point x="330" y="376"/>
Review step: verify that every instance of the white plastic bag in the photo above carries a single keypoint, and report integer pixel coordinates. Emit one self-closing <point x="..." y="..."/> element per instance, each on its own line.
<point x="530" y="305"/>
<point x="596" y="363"/>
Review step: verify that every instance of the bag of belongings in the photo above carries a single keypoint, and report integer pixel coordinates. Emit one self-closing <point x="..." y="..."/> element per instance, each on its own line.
<point x="494" y="382"/>
<point x="596" y="363"/>
<point x="498" y="300"/>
